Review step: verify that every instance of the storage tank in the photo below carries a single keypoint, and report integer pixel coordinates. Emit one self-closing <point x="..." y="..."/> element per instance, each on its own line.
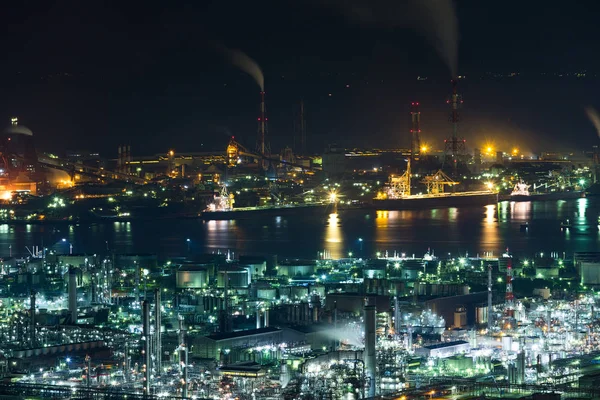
<point x="507" y="343"/>
<point x="298" y="292"/>
<point x="238" y="277"/>
<point x="481" y="316"/>
<point x="191" y="278"/>
<point x="266" y="293"/>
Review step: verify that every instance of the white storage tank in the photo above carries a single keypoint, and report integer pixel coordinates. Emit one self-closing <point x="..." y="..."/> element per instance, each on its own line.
<point x="238" y="277"/>
<point x="192" y="278"/>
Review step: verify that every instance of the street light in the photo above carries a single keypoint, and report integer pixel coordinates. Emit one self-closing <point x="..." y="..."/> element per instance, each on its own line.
<point x="64" y="240"/>
<point x="188" y="241"/>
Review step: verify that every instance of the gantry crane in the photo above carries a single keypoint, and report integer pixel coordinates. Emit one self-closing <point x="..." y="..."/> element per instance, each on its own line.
<point x="435" y="183"/>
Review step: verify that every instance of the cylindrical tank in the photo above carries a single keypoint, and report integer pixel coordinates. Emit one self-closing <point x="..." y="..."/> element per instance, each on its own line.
<point x="481" y="316"/>
<point x="191" y="278"/>
<point x="238" y="277"/>
<point x="298" y="292"/>
<point x="266" y="293"/>
<point x="507" y="343"/>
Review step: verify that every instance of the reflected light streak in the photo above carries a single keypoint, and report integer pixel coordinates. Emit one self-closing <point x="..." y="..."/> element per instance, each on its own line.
<point x="490" y="234"/>
<point x="582" y="205"/>
<point x="520" y="210"/>
<point x="334" y="242"/>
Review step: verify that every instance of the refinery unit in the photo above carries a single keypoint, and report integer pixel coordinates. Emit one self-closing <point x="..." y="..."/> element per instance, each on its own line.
<point x="219" y="326"/>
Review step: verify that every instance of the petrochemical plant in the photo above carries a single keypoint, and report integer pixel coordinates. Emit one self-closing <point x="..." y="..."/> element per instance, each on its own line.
<point x="216" y="326"/>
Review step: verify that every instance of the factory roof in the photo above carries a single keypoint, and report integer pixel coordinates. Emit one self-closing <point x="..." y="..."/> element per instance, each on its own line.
<point x="445" y="344"/>
<point x="238" y="334"/>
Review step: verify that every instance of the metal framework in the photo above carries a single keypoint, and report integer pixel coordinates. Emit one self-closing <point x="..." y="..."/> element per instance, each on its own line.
<point x="435" y="183"/>
<point x="400" y="185"/>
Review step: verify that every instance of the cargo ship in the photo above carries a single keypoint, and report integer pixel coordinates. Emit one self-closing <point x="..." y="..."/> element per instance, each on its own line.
<point x="521" y="193"/>
<point x="222" y="209"/>
<point x="397" y="196"/>
<point x="440" y="200"/>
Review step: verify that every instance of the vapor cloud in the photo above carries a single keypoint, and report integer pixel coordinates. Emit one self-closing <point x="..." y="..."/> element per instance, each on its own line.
<point x="242" y="61"/>
<point x="594" y="118"/>
<point x="434" y="19"/>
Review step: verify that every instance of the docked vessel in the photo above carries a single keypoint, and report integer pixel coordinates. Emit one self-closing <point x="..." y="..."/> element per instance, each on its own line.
<point x="521" y="193"/>
<point x="398" y="196"/>
<point x="222" y="209"/>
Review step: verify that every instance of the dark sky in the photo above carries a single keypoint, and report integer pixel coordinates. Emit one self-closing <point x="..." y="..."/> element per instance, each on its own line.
<point x="92" y="75"/>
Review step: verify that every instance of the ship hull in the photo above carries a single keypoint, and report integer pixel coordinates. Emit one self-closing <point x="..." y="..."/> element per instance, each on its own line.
<point x="428" y="202"/>
<point x="544" y="196"/>
<point x="247" y="213"/>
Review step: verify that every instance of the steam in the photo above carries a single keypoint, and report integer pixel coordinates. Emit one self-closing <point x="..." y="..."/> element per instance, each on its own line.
<point x="594" y="118"/>
<point x="434" y="19"/>
<point x="242" y="61"/>
<point x="342" y="334"/>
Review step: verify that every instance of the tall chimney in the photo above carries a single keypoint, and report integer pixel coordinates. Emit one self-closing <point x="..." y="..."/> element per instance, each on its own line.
<point x="415" y="140"/>
<point x="370" y="355"/>
<point x="157" y="330"/>
<point x="490" y="313"/>
<point x="146" y="333"/>
<point x="257" y="317"/>
<point x="397" y="314"/>
<point x="72" y="287"/>
<point x="128" y="160"/>
<point x="119" y="160"/>
<point x="266" y="317"/>
<point x="32" y="319"/>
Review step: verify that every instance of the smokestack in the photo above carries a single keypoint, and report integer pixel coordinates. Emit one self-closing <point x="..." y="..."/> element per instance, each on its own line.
<point x="302" y="129"/>
<point x="157" y="330"/>
<point x="119" y="160"/>
<point x="181" y="338"/>
<point x="72" y="287"/>
<point x="397" y="314"/>
<point x="226" y="315"/>
<point x="257" y="317"/>
<point x="266" y="317"/>
<point x="370" y="355"/>
<point x="454" y="145"/>
<point x="261" y="145"/>
<point x="32" y="320"/>
<point x="490" y="316"/>
<point x="146" y="332"/>
<point x="415" y="148"/>
<point x="510" y="307"/>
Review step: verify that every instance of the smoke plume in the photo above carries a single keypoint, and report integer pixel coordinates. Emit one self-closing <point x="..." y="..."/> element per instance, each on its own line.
<point x="594" y="118"/>
<point x="434" y="19"/>
<point x="242" y="61"/>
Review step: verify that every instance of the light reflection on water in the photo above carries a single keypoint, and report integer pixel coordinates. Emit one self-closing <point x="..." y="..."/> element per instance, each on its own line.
<point x="476" y="230"/>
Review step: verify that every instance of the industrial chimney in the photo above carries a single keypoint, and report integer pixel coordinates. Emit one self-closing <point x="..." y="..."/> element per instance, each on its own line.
<point x="32" y="320"/>
<point x="370" y="355"/>
<point x="157" y="329"/>
<point x="146" y="333"/>
<point x="72" y="287"/>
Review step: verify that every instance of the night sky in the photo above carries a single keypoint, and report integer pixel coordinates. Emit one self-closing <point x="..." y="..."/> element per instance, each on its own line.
<point x="91" y="75"/>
